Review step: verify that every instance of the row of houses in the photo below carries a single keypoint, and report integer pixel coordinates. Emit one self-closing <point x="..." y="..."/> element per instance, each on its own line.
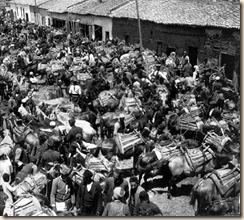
<point x="203" y="28"/>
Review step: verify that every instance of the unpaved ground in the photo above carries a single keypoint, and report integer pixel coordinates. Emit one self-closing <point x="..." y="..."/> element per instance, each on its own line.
<point x="179" y="204"/>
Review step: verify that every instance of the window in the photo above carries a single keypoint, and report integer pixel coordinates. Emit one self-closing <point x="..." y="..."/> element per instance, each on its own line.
<point x="151" y="34"/>
<point x="127" y="39"/>
<point x="17" y="10"/>
<point x="43" y="20"/>
<point x="159" y="48"/>
<point x="107" y="35"/>
<point x="49" y="21"/>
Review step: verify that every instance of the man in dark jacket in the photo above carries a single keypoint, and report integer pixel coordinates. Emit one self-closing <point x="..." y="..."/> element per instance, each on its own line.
<point x="145" y="207"/>
<point x="73" y="132"/>
<point x="89" y="197"/>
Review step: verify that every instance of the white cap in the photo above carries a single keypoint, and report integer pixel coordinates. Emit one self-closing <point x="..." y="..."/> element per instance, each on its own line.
<point x="52" y="123"/>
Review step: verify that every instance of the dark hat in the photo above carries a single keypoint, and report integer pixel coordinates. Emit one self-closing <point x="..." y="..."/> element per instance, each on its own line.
<point x="88" y="174"/>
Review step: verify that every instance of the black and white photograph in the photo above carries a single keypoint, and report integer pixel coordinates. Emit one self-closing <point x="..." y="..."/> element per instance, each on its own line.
<point x="115" y="108"/>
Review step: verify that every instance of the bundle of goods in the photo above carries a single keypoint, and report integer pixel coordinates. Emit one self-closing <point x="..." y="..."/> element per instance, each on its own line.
<point x="26" y="206"/>
<point x="107" y="98"/>
<point x="128" y="118"/>
<point x="231" y="117"/>
<point x="33" y="183"/>
<point x="132" y="104"/>
<point x="45" y="212"/>
<point x="57" y="67"/>
<point x="226" y="180"/>
<point x="77" y="60"/>
<point x="188" y="122"/>
<point x="187" y="100"/>
<point x="38" y="80"/>
<point x="42" y="66"/>
<point x="97" y="164"/>
<point x="166" y="152"/>
<point x="46" y="93"/>
<point x="196" y="158"/>
<point x="149" y="61"/>
<point x="83" y="76"/>
<point x="194" y="111"/>
<point x="126" y="142"/>
<point x="216" y="140"/>
<point x="125" y="166"/>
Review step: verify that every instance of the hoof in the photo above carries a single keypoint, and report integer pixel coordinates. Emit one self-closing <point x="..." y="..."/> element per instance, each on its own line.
<point x="169" y="196"/>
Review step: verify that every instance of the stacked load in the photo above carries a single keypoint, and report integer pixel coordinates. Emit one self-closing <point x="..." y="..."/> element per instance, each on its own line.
<point x="215" y="140"/>
<point x="126" y="142"/>
<point x="225" y="180"/>
<point x="97" y="164"/>
<point x="132" y="104"/>
<point x="26" y="206"/>
<point x="107" y="98"/>
<point x="83" y="76"/>
<point x="188" y="122"/>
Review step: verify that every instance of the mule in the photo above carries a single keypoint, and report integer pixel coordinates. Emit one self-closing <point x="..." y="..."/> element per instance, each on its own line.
<point x="215" y="196"/>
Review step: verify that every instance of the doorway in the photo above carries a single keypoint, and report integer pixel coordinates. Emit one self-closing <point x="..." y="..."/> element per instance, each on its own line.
<point x="159" y="48"/>
<point x="229" y="61"/>
<point x="26" y="17"/>
<point x="193" y="53"/>
<point x="98" y="32"/>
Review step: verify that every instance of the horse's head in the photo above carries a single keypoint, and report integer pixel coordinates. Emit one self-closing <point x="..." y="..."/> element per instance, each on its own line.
<point x="146" y="159"/>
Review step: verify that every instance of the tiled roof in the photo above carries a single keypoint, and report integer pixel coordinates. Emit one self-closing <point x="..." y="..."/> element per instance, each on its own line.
<point x="218" y="13"/>
<point x="28" y="2"/>
<point x="95" y="7"/>
<point x="58" y="6"/>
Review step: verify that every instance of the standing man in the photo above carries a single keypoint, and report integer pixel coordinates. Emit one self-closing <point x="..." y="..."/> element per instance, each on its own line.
<point x="89" y="196"/>
<point x="134" y="199"/>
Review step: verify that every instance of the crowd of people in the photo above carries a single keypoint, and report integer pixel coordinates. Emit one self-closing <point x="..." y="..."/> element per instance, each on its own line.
<point x="104" y="82"/>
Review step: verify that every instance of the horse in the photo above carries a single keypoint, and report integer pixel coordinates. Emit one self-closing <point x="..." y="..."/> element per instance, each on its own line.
<point x="30" y="138"/>
<point x="88" y="132"/>
<point x="216" y="192"/>
<point x="163" y="150"/>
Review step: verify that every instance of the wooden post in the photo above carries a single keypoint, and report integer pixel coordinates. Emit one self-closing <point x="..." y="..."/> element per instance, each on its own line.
<point x="139" y="24"/>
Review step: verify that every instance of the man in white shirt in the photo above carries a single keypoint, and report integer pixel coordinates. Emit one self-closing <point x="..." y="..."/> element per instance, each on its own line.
<point x="74" y="91"/>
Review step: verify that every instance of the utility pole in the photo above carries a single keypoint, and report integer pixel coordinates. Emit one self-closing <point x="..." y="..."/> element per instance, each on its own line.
<point x="36" y="15"/>
<point x="139" y="24"/>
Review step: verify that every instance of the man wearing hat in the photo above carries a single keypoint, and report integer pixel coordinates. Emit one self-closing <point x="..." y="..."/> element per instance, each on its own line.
<point x="117" y="207"/>
<point x="89" y="196"/>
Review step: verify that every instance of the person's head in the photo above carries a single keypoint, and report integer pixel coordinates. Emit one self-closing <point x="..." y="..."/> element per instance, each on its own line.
<point x="143" y="196"/>
<point x="87" y="177"/>
<point x="78" y="137"/>
<point x="6" y="177"/>
<point x="118" y="193"/>
<point x="134" y="183"/>
<point x="72" y="122"/>
<point x="64" y="171"/>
